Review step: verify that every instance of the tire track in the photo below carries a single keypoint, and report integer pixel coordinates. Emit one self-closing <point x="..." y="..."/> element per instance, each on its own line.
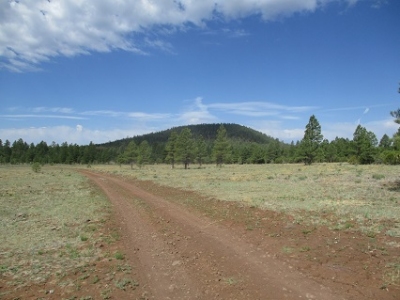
<point x="184" y="256"/>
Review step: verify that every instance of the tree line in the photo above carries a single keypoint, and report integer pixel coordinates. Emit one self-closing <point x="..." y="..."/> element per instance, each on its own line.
<point x="19" y="152"/>
<point x="184" y="148"/>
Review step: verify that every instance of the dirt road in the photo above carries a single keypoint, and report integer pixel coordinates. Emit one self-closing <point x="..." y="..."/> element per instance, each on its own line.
<point x="178" y="254"/>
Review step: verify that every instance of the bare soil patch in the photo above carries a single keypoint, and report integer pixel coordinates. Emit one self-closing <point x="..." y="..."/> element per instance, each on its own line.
<point x="187" y="246"/>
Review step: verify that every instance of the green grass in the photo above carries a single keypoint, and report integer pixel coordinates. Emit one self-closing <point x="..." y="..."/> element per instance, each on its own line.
<point x="125" y="283"/>
<point x="119" y="256"/>
<point x="378" y="176"/>
<point x="350" y="192"/>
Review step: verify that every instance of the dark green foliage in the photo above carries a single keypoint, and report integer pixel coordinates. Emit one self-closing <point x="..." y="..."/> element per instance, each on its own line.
<point x="143" y="153"/>
<point x="36" y="167"/>
<point x="390" y="157"/>
<point x="222" y="143"/>
<point x="185" y="147"/>
<point x="221" y="146"/>
<point x="364" y="144"/>
<point x="385" y="142"/>
<point x="130" y="153"/>
<point x="396" y="115"/>
<point x="171" y="149"/>
<point x="201" y="150"/>
<point x="207" y="131"/>
<point x="311" y="141"/>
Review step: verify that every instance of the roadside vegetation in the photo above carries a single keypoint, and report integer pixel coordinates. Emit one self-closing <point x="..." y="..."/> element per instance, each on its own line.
<point x="319" y="214"/>
<point x="362" y="194"/>
<point x="54" y="235"/>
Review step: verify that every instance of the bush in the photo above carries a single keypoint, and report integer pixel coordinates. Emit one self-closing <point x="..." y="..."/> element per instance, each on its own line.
<point x="36" y="167"/>
<point x="391" y="157"/>
<point x="378" y="176"/>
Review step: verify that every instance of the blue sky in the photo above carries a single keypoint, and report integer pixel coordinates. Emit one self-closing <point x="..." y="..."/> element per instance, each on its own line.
<point x="81" y="71"/>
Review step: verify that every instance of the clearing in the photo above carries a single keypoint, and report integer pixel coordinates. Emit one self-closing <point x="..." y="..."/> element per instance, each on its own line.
<point x="287" y="232"/>
<point x="179" y="251"/>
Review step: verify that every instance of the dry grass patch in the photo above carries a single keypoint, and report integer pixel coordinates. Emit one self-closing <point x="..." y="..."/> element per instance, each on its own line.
<point x="51" y="225"/>
<point x="365" y="195"/>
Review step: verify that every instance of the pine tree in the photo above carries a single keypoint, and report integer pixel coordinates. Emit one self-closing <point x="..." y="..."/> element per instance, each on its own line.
<point x="130" y="154"/>
<point x="185" y="147"/>
<point x="201" y="150"/>
<point x="143" y="153"/>
<point x="385" y="142"/>
<point x="221" y="146"/>
<point x="311" y="141"/>
<point x="364" y="145"/>
<point x="171" y="149"/>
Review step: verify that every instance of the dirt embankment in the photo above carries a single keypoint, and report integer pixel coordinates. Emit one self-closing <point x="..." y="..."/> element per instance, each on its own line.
<point x="180" y="253"/>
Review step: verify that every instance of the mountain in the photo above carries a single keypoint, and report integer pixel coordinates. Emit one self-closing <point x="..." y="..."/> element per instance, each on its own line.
<point x="235" y="132"/>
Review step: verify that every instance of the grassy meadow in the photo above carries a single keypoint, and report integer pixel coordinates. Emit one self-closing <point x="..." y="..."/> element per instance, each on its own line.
<point x="48" y="226"/>
<point x="53" y="221"/>
<point x="366" y="194"/>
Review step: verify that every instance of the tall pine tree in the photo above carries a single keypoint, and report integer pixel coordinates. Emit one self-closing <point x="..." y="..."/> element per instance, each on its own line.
<point x="170" y="148"/>
<point x="185" y="147"/>
<point x="311" y="141"/>
<point x="221" y="146"/>
<point x="143" y="153"/>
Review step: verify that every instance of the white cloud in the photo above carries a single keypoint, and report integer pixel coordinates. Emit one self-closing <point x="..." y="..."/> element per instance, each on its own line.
<point x="35" y="31"/>
<point x="197" y="113"/>
<point x="278" y="129"/>
<point x="146" y="116"/>
<point x="346" y="129"/>
<point x="104" y="113"/>
<point x="71" y="135"/>
<point x="283" y="122"/>
<point x="259" y="109"/>
<point x="64" y="110"/>
<point x="25" y="116"/>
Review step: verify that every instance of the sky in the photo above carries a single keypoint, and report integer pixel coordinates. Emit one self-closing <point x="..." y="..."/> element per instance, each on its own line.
<point x="78" y="71"/>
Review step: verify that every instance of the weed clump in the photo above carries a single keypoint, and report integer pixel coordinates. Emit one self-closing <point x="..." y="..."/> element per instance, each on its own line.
<point x="120" y="256"/>
<point x="36" y="167"/>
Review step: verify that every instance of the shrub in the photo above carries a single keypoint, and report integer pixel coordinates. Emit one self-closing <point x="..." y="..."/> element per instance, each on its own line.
<point x="119" y="256"/>
<point x="36" y="167"/>
<point x="378" y="176"/>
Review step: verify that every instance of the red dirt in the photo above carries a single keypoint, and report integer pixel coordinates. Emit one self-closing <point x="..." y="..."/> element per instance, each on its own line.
<point x="182" y="245"/>
<point x="208" y="249"/>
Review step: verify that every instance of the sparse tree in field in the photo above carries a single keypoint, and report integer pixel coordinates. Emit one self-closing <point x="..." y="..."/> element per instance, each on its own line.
<point x="221" y="146"/>
<point x="185" y="147"/>
<point x="171" y="149"/>
<point x="143" y="153"/>
<point x="312" y="139"/>
<point x="130" y="154"/>
<point x="201" y="150"/>
<point x="365" y="143"/>
<point x="36" y="167"/>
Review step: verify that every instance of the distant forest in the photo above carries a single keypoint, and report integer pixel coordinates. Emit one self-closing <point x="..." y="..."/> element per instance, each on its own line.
<point x="211" y="143"/>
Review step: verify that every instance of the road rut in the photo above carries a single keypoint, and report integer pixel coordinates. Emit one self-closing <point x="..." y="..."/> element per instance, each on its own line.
<point x="178" y="254"/>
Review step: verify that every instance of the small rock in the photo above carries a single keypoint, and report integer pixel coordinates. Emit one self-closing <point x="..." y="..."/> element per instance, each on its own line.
<point x="176" y="263"/>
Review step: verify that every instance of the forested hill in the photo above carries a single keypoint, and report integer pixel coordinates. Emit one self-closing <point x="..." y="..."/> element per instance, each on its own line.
<point x="235" y="132"/>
